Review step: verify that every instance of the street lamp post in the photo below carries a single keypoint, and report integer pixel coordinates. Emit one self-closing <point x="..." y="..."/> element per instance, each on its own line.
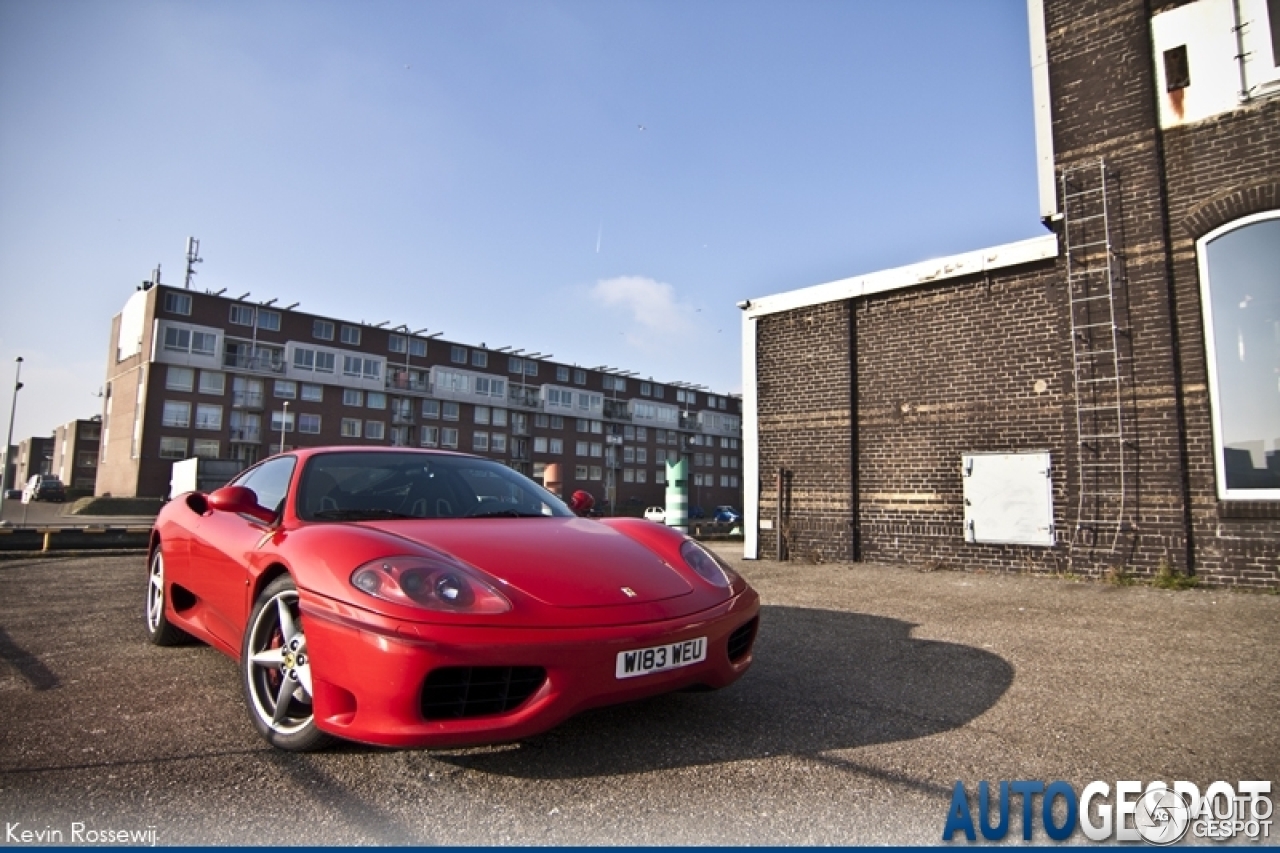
<point x="8" y="442"/>
<point x="284" y="423"/>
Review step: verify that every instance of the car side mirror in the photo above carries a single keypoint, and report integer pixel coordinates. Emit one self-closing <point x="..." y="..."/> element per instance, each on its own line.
<point x="239" y="499"/>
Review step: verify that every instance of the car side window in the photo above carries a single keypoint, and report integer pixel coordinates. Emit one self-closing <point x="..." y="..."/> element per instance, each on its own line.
<point x="270" y="482"/>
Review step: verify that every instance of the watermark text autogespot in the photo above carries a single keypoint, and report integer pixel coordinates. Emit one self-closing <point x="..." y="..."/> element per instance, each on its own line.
<point x="1156" y="813"/>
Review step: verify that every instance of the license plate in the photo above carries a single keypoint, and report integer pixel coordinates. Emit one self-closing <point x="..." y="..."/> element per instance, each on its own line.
<point x="661" y="658"/>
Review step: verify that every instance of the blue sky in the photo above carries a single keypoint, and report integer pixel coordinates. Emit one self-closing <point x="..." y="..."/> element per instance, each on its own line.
<point x="600" y="180"/>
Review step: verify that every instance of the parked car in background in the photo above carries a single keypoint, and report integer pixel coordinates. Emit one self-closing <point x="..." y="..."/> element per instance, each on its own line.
<point x="13" y="494"/>
<point x="726" y="514"/>
<point x="656" y="513"/>
<point x="45" y="487"/>
<point x="697" y="512"/>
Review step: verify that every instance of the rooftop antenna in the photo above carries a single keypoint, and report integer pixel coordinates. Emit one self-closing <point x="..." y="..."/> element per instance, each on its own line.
<point x="193" y="258"/>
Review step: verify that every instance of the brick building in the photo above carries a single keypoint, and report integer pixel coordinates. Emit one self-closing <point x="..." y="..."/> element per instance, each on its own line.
<point x="75" y="453"/>
<point x="1106" y="396"/>
<point x="199" y="374"/>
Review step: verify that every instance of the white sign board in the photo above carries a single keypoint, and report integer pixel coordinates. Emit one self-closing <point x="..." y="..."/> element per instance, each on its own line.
<point x="1008" y="498"/>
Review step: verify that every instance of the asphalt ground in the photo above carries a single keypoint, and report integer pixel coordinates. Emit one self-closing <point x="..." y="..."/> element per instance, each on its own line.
<point x="874" y="689"/>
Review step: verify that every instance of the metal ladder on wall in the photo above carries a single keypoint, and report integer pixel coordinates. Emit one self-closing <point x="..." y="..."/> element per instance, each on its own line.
<point x="1100" y="355"/>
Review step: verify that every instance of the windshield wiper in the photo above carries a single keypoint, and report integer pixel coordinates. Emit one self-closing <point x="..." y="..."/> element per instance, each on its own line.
<point x="359" y="514"/>
<point x="506" y="513"/>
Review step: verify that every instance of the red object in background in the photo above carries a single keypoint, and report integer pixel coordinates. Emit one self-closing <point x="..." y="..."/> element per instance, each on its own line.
<point x="416" y="598"/>
<point x="582" y="502"/>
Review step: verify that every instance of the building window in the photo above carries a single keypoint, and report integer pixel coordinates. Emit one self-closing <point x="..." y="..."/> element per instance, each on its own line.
<point x="282" y="421"/>
<point x="203" y="343"/>
<point x="479" y="358"/>
<point x="269" y="320"/>
<point x="172" y="447"/>
<point x="646" y="390"/>
<point x="177" y="340"/>
<point x="312" y="393"/>
<point x="352" y="397"/>
<point x="322" y="330"/>
<point x="208" y="416"/>
<point x="351" y="427"/>
<point x="351" y="335"/>
<point x="556" y="446"/>
<point x="480" y="441"/>
<point x="541" y="421"/>
<point x="539" y="445"/>
<point x="213" y="382"/>
<point x="530" y="367"/>
<point x="309" y="424"/>
<point x="179" y="379"/>
<point x="499" y="417"/>
<point x="451" y="412"/>
<point x="418" y="347"/>
<point x="431" y="409"/>
<point x="205" y="448"/>
<point x="430" y="436"/>
<point x="376" y="430"/>
<point x="597" y="473"/>
<point x="397" y="343"/>
<point x="580" y="472"/>
<point x="449" y="438"/>
<point x="376" y="400"/>
<point x="562" y="374"/>
<point x="1240" y="295"/>
<point x="482" y="414"/>
<point x="178" y="303"/>
<point x="457" y="354"/>
<point x="628" y="475"/>
<point x="660" y="476"/>
<point x="499" y="442"/>
<point x="285" y="389"/>
<point x="176" y="414"/>
<point x="241" y="315"/>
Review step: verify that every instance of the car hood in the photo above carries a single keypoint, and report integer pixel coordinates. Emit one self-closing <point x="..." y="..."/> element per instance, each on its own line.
<point x="563" y="562"/>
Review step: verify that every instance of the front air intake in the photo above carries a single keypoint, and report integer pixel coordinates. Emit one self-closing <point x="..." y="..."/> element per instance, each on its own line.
<point x="741" y="639"/>
<point x="458" y="692"/>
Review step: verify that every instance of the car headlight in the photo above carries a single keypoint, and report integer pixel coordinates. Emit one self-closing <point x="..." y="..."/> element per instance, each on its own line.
<point x="709" y="567"/>
<point x="434" y="583"/>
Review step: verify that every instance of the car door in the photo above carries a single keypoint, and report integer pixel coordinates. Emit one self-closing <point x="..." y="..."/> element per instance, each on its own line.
<point x="225" y="546"/>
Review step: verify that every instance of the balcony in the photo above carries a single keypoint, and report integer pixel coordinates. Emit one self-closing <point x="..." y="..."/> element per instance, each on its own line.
<point x="617" y="410"/>
<point x="690" y="422"/>
<point x="246" y="399"/>
<point x="402" y="418"/>
<point x="260" y="363"/>
<point x="399" y="381"/>
<point x="246" y="435"/>
<point x="527" y="398"/>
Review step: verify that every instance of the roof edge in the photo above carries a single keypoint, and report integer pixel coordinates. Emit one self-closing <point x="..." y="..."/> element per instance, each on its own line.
<point x="912" y="275"/>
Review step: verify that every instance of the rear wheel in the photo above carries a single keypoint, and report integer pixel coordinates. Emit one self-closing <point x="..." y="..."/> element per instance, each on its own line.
<point x="276" y="668"/>
<point x="159" y="631"/>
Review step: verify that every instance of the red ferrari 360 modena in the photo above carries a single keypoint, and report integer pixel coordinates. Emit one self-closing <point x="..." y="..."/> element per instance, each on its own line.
<point x="419" y="599"/>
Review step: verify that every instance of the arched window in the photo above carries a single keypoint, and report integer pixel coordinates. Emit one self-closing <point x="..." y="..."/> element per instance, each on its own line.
<point x="1240" y="294"/>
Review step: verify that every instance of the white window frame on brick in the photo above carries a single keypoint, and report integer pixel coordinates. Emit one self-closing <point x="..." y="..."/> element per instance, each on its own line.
<point x="350" y="335"/>
<point x="213" y="382"/>
<point x="309" y="423"/>
<point x="375" y="430"/>
<point x="351" y="427"/>
<point x="1237" y="263"/>
<point x="206" y="448"/>
<point x="179" y="378"/>
<point x="176" y="413"/>
<point x="449" y="438"/>
<point x="322" y="330"/>
<point x="208" y="416"/>
<point x="173" y="447"/>
<point x="240" y="315"/>
<point x="429" y="436"/>
<point x="177" y="303"/>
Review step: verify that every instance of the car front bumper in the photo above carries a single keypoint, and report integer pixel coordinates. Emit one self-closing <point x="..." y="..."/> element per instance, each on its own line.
<point x="368" y="671"/>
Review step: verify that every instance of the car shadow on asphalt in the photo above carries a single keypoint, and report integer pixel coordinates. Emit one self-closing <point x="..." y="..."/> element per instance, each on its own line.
<point x="821" y="680"/>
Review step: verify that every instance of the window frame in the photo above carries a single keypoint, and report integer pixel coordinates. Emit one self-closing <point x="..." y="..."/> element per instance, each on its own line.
<point x="1225" y="493"/>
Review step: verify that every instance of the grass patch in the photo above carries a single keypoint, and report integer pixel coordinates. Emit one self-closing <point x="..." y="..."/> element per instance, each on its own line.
<point x="1167" y="577"/>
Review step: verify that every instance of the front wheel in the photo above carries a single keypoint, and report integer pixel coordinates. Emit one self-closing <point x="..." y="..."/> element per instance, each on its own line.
<point x="159" y="631"/>
<point x="276" y="668"/>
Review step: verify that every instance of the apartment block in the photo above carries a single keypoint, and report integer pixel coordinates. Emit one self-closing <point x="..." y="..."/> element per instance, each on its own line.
<point x="76" y="446"/>
<point x="192" y="373"/>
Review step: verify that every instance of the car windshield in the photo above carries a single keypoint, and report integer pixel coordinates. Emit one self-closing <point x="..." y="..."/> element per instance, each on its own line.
<point x="362" y="486"/>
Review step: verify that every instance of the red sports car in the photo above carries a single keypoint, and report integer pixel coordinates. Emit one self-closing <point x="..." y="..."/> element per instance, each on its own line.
<point x="416" y="599"/>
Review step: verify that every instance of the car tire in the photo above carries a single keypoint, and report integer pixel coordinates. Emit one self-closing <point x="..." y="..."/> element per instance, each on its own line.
<point x="156" y="620"/>
<point x="276" y="672"/>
